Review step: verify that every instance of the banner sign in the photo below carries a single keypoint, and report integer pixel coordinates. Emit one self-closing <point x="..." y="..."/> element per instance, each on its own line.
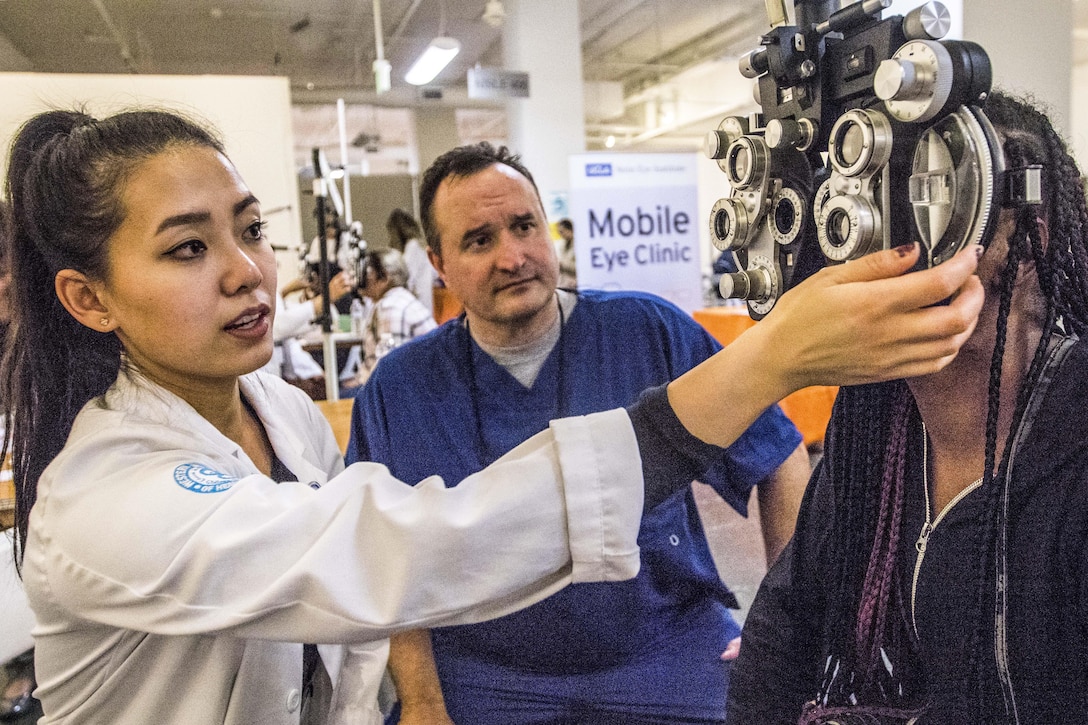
<point x="636" y="224"/>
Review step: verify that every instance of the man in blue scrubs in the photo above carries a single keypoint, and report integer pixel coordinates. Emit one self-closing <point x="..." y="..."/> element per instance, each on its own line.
<point x="655" y="649"/>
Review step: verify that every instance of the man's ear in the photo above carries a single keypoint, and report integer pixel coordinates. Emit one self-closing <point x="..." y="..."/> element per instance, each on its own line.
<point x="80" y="297"/>
<point x="436" y="262"/>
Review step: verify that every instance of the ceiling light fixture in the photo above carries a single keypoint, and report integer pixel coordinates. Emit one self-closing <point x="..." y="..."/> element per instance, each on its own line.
<point x="437" y="56"/>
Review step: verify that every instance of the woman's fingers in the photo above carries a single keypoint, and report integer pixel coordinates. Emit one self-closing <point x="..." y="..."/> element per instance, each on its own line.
<point x="862" y="322"/>
<point x="867" y="321"/>
<point x="910" y="291"/>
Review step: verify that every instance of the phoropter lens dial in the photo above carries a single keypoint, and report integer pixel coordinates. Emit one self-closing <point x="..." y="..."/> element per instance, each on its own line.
<point x="729" y="224"/>
<point x="745" y="163"/>
<point x="846" y="228"/>
<point x="787" y="215"/>
<point x="860" y="142"/>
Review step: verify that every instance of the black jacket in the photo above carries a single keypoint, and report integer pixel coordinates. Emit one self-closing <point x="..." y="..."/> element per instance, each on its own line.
<point x="1046" y="554"/>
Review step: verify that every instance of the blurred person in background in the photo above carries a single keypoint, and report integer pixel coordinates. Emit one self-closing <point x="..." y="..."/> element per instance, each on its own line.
<point x="568" y="269"/>
<point x="396" y="316"/>
<point x="406" y="237"/>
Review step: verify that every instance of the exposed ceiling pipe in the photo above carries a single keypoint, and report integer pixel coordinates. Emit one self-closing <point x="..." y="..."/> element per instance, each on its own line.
<point x="379" y="41"/>
<point x="122" y="44"/>
<point x="399" y="30"/>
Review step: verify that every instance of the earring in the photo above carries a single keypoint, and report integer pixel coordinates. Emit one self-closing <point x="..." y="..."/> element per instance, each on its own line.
<point x="104" y="321"/>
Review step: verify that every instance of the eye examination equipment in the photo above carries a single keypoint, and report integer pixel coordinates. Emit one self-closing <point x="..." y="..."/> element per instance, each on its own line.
<point x="871" y="133"/>
<point x="348" y="251"/>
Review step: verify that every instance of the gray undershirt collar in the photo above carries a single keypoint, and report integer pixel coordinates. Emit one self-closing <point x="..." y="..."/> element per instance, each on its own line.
<point x="524" y="361"/>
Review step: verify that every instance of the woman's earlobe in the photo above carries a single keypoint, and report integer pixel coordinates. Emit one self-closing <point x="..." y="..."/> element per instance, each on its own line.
<point x="79" y="296"/>
<point x="1044" y="231"/>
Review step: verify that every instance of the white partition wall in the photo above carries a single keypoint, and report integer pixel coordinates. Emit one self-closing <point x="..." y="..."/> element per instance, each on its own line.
<point x="251" y="113"/>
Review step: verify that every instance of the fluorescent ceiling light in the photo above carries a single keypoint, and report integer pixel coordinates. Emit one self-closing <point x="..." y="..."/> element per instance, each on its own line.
<point x="436" y="57"/>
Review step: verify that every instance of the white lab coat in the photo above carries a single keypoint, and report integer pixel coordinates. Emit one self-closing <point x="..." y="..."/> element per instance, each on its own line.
<point x="421" y="274"/>
<point x="156" y="603"/>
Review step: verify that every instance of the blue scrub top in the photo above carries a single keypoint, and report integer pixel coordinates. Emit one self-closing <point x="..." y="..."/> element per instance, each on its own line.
<point x="416" y="416"/>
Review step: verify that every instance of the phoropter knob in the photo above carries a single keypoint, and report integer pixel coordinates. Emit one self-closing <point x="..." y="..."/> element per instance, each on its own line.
<point x="729" y="130"/>
<point x="746" y="285"/>
<point x="931" y="21"/>
<point x="790" y="133"/>
<point x="916" y="82"/>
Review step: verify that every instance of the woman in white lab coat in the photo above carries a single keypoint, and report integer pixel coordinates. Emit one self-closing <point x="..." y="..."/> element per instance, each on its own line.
<point x="184" y="523"/>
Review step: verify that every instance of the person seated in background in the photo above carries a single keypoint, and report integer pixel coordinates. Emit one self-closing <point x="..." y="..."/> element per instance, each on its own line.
<point x="289" y="360"/>
<point x="308" y="287"/>
<point x="396" y="315"/>
<point x="406" y="237"/>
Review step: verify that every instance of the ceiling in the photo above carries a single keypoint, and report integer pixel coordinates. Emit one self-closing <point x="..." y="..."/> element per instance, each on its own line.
<point x="326" y="48"/>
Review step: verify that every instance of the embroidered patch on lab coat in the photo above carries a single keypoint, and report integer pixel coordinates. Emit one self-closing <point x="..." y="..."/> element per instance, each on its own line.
<point x="201" y="479"/>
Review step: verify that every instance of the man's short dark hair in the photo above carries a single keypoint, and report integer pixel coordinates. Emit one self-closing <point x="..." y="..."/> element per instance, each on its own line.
<point x="461" y="162"/>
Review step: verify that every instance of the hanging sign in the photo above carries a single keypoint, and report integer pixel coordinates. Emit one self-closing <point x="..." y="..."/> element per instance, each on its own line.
<point x="497" y="83"/>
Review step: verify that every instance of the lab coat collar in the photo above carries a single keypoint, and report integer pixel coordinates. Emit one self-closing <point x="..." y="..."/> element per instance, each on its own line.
<point x="142" y="398"/>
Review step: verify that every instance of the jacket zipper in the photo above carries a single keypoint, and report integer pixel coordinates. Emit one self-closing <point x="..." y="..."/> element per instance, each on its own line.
<point x="923" y="540"/>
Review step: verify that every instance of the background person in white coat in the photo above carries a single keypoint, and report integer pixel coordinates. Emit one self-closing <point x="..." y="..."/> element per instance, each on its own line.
<point x="406" y="236"/>
<point x="184" y="524"/>
<point x="397" y="315"/>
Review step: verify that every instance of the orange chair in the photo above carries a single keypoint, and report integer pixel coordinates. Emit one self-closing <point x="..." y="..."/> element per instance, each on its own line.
<point x="446" y="306"/>
<point x="809" y="409"/>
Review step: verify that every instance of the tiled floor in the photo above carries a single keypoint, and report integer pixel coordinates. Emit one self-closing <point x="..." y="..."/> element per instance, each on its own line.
<point x="735" y="543"/>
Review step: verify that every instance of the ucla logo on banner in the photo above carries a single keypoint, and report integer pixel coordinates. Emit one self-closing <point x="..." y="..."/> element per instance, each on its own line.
<point x="598" y="169"/>
<point x="201" y="479"/>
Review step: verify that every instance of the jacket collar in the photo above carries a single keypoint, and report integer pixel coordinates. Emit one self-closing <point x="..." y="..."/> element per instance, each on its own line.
<point x="1055" y="428"/>
<point x="144" y="400"/>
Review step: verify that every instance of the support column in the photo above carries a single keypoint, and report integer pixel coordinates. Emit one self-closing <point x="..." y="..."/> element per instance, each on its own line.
<point x="544" y="40"/>
<point x="436" y="133"/>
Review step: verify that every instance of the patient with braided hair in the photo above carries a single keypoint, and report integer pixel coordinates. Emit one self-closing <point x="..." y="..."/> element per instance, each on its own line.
<point x="939" y="569"/>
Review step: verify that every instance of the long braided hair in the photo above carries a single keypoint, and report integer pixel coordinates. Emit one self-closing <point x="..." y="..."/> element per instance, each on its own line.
<point x="64" y="180"/>
<point x="868" y="437"/>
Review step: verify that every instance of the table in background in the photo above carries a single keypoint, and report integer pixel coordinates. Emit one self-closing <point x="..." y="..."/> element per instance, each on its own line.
<point x="808" y="408"/>
<point x="338" y="413"/>
<point x="315" y="342"/>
